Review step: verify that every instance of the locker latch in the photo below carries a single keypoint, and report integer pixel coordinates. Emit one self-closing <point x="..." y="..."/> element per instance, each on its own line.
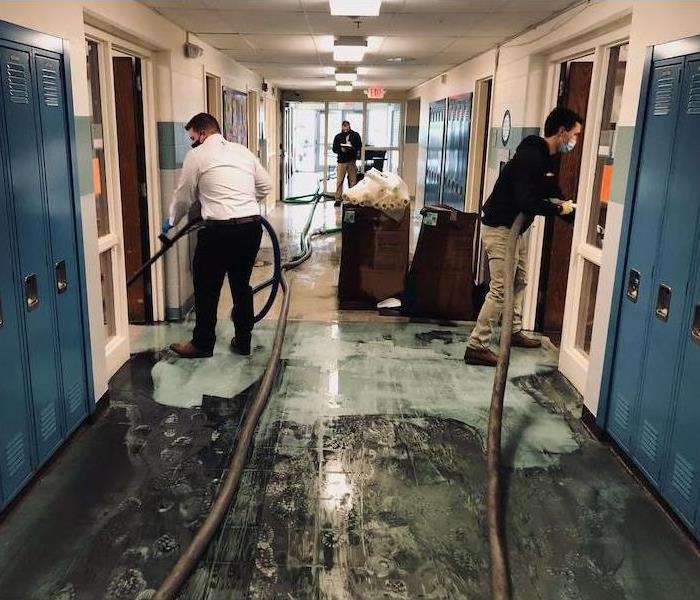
<point x="633" y="285"/>
<point x="663" y="302"/>
<point x="695" y="328"/>
<point x="31" y="292"/>
<point x="61" y="279"/>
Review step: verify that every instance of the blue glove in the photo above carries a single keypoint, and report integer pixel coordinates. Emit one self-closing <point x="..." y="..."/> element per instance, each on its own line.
<point x="166" y="226"/>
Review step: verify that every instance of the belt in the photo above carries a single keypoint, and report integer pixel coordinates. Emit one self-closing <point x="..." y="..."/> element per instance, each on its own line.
<point x="238" y="221"/>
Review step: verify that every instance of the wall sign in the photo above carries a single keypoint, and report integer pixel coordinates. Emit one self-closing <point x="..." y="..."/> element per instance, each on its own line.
<point x="505" y="128"/>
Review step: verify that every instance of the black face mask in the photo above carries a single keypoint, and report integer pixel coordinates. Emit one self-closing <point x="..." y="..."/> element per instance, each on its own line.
<point x="195" y="144"/>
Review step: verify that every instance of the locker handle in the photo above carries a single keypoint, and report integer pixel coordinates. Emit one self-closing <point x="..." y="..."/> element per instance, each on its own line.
<point x="695" y="328"/>
<point x="61" y="279"/>
<point x="633" y="282"/>
<point x="663" y="302"/>
<point x="31" y="292"/>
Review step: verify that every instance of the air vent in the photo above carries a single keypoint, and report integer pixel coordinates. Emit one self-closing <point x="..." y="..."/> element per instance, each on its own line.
<point x="75" y="398"/>
<point x="49" y="87"/>
<point x="48" y="422"/>
<point x="15" y="455"/>
<point x="663" y="93"/>
<point x="622" y="414"/>
<point x="694" y="95"/>
<point x="650" y="441"/>
<point x="683" y="477"/>
<point x="17" y="83"/>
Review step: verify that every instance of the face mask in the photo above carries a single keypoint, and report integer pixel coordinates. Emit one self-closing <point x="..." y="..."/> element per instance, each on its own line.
<point x="568" y="146"/>
<point x="195" y="144"/>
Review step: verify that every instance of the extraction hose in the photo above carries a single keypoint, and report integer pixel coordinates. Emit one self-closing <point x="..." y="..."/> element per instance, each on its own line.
<point x="500" y="583"/>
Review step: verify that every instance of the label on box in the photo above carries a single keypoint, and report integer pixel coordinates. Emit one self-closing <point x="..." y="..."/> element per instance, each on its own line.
<point x="349" y="216"/>
<point x="430" y="218"/>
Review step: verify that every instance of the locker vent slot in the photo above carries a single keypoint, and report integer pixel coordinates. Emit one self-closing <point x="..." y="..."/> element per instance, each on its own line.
<point x="663" y="95"/>
<point x="683" y="477"/>
<point x="75" y="399"/>
<point x="14" y="454"/>
<point x="694" y="96"/>
<point x="49" y="87"/>
<point x="17" y="83"/>
<point x="650" y="440"/>
<point x="622" y="413"/>
<point x="48" y="422"/>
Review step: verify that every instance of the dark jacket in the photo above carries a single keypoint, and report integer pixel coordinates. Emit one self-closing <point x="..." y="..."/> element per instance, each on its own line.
<point x="524" y="186"/>
<point x="351" y="154"/>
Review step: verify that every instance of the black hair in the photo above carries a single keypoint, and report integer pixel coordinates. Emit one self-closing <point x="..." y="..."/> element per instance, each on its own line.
<point x="203" y="122"/>
<point x="561" y="117"/>
<point x="346" y="123"/>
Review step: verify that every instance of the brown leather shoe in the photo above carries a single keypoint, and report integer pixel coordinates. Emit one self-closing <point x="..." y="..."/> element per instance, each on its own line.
<point x="189" y="350"/>
<point x="480" y="356"/>
<point x="520" y="340"/>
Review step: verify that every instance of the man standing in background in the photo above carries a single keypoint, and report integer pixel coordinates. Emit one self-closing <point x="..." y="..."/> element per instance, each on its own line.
<point x="346" y="145"/>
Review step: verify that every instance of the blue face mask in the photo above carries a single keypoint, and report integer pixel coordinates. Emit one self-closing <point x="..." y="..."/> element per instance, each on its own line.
<point x="568" y="146"/>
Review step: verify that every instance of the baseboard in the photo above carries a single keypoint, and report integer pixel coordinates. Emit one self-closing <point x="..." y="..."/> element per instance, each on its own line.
<point x="589" y="422"/>
<point x="178" y="313"/>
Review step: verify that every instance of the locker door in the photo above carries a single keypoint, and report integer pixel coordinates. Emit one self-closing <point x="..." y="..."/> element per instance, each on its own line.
<point x="647" y="219"/>
<point x="64" y="258"/>
<point x="15" y="454"/>
<point x="670" y="286"/>
<point x="35" y="282"/>
<point x="681" y="484"/>
<point x="435" y="157"/>
<point x="457" y="151"/>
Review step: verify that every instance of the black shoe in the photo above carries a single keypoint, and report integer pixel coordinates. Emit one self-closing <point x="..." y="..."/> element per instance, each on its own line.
<point x="482" y="357"/>
<point x="240" y="347"/>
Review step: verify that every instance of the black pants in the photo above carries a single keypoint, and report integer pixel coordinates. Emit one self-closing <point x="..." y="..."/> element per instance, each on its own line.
<point x="224" y="248"/>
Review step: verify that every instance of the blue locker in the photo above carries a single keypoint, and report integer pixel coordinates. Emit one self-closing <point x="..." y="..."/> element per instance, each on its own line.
<point x="454" y="186"/>
<point x="35" y="283"/>
<point x="15" y="439"/>
<point x="681" y="485"/>
<point x="669" y="288"/>
<point x="59" y="193"/>
<point x="434" y="160"/>
<point x="647" y="221"/>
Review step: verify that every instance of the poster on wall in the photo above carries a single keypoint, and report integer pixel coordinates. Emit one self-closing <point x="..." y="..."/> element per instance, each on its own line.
<point x="235" y="113"/>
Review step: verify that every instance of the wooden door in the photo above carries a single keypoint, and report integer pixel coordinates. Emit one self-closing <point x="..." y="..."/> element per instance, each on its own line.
<point x="132" y="179"/>
<point x="558" y="233"/>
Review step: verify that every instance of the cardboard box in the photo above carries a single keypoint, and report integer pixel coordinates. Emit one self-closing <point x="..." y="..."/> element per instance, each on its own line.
<point x="374" y="257"/>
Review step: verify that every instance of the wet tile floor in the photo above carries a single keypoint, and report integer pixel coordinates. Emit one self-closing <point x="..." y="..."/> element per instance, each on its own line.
<point x="366" y="481"/>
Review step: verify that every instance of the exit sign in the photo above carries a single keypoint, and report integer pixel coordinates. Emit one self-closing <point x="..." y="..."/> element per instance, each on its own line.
<point x="375" y="93"/>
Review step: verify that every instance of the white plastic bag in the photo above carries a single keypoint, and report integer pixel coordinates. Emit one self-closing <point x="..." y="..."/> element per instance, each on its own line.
<point x="384" y="191"/>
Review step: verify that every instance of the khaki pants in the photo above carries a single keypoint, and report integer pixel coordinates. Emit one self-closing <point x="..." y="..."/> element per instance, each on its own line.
<point x="351" y="169"/>
<point x="496" y="240"/>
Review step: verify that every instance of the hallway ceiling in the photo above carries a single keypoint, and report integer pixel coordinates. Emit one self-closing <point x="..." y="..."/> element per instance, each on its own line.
<point x="290" y="42"/>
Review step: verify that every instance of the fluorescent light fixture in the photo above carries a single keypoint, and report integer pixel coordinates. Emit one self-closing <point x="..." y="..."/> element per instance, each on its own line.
<point x="343" y="87"/>
<point x="355" y="8"/>
<point x="345" y="74"/>
<point x="349" y="49"/>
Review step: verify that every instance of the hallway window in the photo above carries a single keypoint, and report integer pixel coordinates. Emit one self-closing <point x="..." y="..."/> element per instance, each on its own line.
<point x="617" y="64"/>
<point x="384" y="132"/>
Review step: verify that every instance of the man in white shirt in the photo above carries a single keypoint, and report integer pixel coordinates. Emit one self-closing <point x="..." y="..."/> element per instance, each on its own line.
<point x="229" y="181"/>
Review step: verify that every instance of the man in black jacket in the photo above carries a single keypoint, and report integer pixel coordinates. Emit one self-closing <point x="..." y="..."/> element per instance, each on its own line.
<point x="527" y="184"/>
<point x="347" y="145"/>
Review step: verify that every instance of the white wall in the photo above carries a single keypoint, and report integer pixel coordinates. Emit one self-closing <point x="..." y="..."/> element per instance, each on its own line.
<point x="179" y="93"/>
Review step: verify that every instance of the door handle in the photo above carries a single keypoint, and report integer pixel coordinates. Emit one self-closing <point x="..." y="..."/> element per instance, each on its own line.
<point x="663" y="302"/>
<point x="694" y="328"/>
<point x="61" y="279"/>
<point x="633" y="282"/>
<point x="31" y="292"/>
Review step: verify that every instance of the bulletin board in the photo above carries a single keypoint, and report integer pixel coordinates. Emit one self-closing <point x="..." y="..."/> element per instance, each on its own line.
<point x="235" y="115"/>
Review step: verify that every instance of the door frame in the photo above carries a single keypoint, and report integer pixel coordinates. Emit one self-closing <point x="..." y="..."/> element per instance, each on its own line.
<point x="573" y="363"/>
<point x="673" y="49"/>
<point x="117" y="349"/>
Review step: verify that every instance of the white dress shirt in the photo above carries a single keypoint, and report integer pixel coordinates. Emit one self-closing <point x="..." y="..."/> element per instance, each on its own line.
<point x="227" y="178"/>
